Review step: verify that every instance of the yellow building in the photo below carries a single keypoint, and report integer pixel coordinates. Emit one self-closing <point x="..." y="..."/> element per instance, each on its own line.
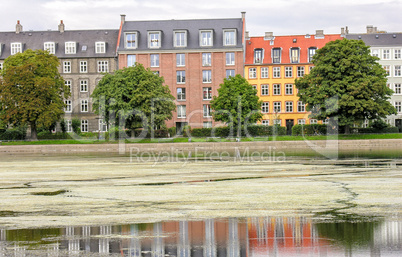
<point x="272" y="64"/>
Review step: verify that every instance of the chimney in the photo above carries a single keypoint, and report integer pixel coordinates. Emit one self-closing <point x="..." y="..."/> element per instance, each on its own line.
<point x="243" y="15"/>
<point x="18" y="27"/>
<point x="346" y="30"/>
<point x="123" y="18"/>
<point x="319" y="33"/>
<point x="269" y="36"/>
<point x="247" y="35"/>
<point x="342" y="32"/>
<point x="61" y="26"/>
<point x="370" y="29"/>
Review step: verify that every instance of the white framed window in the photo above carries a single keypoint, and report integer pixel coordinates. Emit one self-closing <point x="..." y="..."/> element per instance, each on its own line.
<point x="1" y="64"/>
<point x="181" y="93"/>
<point x="300" y="71"/>
<point x="16" y="48"/>
<point x="84" y="125"/>
<point x="265" y="89"/>
<point x="229" y="37"/>
<point x="131" y="59"/>
<point x="288" y="89"/>
<point x="83" y="66"/>
<point x="66" y="67"/>
<point x="265" y="122"/>
<point x="131" y="40"/>
<point x="264" y="73"/>
<point x="84" y="105"/>
<point x="103" y="66"/>
<point x="206" y="76"/>
<point x="230" y="73"/>
<point x="206" y="38"/>
<point x="398" y="106"/>
<point x="252" y="73"/>
<point x="230" y="58"/>
<point x="278" y="122"/>
<point x="69" y="106"/>
<point x="276" y="55"/>
<point x="69" y="126"/>
<point x="70" y="47"/>
<point x="102" y="125"/>
<point x="206" y="93"/>
<point x="100" y="47"/>
<point x="276" y="72"/>
<point x="181" y="77"/>
<point x="288" y="72"/>
<point x="386" y="54"/>
<point x="207" y="124"/>
<point x="289" y="106"/>
<point x="84" y="85"/>
<point x="181" y="111"/>
<point x="154" y="60"/>
<point x="310" y="68"/>
<point x="68" y="84"/>
<point x="154" y="39"/>
<point x="276" y="89"/>
<point x="397" y="89"/>
<point x="206" y="59"/>
<point x="258" y="56"/>
<point x="311" y="53"/>
<point x="313" y="121"/>
<point x="374" y="52"/>
<point x="180" y="38"/>
<point x="387" y="70"/>
<point x="397" y="54"/>
<point x="206" y="110"/>
<point x="397" y="71"/>
<point x="301" y="107"/>
<point x="180" y="60"/>
<point x="301" y="121"/>
<point x="277" y="107"/>
<point x="265" y="107"/>
<point x="50" y="47"/>
<point x="295" y="55"/>
<point x="254" y="87"/>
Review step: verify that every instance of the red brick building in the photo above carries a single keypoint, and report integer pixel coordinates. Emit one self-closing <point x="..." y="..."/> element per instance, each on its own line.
<point x="193" y="56"/>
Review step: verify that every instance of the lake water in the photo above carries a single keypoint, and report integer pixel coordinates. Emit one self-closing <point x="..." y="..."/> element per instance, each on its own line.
<point x="264" y="236"/>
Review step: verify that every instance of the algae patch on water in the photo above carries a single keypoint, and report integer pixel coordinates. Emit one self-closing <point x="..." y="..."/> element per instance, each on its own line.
<point x="58" y="192"/>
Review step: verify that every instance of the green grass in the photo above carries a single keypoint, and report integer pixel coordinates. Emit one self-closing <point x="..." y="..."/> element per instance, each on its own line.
<point x="183" y="139"/>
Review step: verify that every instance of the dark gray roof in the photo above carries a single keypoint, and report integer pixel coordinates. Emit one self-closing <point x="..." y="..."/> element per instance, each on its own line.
<point x="167" y="27"/>
<point x="35" y="40"/>
<point x="378" y="39"/>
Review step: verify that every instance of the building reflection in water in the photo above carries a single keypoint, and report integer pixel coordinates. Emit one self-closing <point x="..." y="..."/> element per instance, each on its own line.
<point x="268" y="236"/>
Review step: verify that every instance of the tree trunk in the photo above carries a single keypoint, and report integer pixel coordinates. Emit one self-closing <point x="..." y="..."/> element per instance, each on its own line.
<point x="347" y="130"/>
<point x="34" y="134"/>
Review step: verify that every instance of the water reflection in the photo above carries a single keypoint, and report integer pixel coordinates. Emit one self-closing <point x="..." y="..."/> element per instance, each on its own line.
<point x="267" y="236"/>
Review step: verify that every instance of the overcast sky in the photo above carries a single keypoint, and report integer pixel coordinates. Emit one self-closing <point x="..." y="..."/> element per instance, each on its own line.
<point x="289" y="17"/>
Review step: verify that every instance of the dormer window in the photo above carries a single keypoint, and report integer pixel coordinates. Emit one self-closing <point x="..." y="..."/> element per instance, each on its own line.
<point x="131" y="40"/>
<point x="206" y="38"/>
<point x="70" y="48"/>
<point x="258" y="56"/>
<point x="50" y="47"/>
<point x="295" y="55"/>
<point x="276" y="55"/>
<point x="154" y="39"/>
<point x="16" y="48"/>
<point x="180" y="39"/>
<point x="100" y="47"/>
<point x="311" y="53"/>
<point x="229" y="37"/>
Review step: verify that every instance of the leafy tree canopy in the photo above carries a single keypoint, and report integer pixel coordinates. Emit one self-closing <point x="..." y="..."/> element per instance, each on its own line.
<point x="136" y="95"/>
<point x="237" y="101"/>
<point x="32" y="90"/>
<point x="347" y="84"/>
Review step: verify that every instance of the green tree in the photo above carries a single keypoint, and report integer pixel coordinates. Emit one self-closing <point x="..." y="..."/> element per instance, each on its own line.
<point x="347" y="84"/>
<point x="237" y="103"/>
<point x="136" y="96"/>
<point x="32" y="90"/>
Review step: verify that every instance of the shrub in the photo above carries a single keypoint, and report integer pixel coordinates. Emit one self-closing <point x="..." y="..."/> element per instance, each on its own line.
<point x="172" y="131"/>
<point x="63" y="126"/>
<point x="379" y="125"/>
<point x="18" y="133"/>
<point x="309" y="129"/>
<point x="201" y="132"/>
<point x="49" y="135"/>
<point x="76" y="125"/>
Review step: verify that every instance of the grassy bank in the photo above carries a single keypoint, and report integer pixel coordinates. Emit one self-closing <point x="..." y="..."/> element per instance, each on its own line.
<point x="206" y="139"/>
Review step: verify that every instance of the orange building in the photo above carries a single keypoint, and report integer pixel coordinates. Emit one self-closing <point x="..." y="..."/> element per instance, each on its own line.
<point x="272" y="64"/>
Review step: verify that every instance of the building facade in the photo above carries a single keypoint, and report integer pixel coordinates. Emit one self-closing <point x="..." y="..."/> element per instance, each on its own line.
<point x="84" y="56"/>
<point x="193" y="56"/>
<point x="272" y="64"/>
<point x="388" y="48"/>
